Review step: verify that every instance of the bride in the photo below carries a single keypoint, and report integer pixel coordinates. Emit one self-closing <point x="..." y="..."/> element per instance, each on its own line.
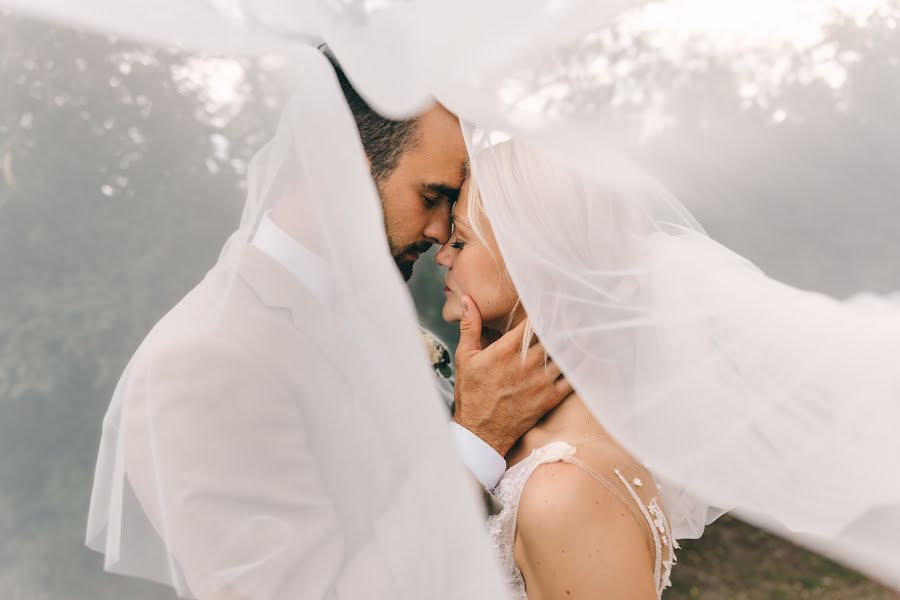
<point x="581" y="517"/>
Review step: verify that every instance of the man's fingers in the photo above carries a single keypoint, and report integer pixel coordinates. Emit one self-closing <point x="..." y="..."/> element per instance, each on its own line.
<point x="563" y="389"/>
<point x="536" y="355"/>
<point x="469" y="329"/>
<point x="512" y="339"/>
<point x="551" y="371"/>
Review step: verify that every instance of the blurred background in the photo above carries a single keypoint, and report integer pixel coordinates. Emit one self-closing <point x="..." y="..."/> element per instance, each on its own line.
<point x="118" y="161"/>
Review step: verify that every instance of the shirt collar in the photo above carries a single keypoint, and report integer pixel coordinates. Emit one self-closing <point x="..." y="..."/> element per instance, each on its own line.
<point x="308" y="267"/>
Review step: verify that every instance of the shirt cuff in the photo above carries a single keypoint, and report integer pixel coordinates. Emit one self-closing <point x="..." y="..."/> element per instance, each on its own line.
<point x="484" y="462"/>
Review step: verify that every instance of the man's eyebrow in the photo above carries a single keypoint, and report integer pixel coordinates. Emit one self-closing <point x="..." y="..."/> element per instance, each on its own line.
<point x="447" y="191"/>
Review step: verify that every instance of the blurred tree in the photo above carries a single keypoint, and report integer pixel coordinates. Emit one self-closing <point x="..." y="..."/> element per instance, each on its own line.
<point x="799" y="175"/>
<point x="120" y="171"/>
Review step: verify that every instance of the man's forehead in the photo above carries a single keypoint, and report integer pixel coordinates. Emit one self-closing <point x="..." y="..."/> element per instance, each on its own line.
<point x="448" y="184"/>
<point x="443" y="188"/>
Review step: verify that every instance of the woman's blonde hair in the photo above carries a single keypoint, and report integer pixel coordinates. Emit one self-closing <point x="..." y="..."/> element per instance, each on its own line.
<point x="476" y="213"/>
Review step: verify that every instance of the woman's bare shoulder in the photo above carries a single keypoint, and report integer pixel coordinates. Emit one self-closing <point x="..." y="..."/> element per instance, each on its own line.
<point x="575" y="532"/>
<point x="561" y="491"/>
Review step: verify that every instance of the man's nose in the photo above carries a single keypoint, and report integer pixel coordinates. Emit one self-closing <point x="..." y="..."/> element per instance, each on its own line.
<point x="438" y="228"/>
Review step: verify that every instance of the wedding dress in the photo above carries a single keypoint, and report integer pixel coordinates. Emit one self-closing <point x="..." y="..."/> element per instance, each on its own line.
<point x="502" y="526"/>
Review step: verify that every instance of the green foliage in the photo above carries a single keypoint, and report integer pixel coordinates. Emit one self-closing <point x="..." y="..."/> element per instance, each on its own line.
<point x="108" y="215"/>
<point x="734" y="560"/>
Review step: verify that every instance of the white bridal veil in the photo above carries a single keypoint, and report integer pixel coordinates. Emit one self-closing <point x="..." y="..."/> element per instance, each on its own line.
<point x="750" y="393"/>
<point x="739" y="391"/>
<point x="172" y="476"/>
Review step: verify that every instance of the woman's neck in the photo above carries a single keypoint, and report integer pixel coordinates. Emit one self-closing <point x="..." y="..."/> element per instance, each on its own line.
<point x="492" y="331"/>
<point x="570" y="422"/>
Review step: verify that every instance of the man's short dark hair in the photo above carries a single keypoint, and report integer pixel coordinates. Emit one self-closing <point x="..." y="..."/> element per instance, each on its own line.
<point x="384" y="140"/>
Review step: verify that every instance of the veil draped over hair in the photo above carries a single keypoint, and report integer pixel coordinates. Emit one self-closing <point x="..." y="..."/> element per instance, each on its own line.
<point x="737" y="390"/>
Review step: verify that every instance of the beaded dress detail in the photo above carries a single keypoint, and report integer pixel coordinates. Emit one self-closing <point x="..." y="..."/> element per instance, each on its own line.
<point x="502" y="526"/>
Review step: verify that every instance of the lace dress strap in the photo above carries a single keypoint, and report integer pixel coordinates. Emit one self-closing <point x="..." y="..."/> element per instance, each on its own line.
<point x="651" y="515"/>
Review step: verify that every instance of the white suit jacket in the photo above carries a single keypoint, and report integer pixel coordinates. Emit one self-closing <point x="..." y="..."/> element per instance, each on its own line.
<point x="262" y="486"/>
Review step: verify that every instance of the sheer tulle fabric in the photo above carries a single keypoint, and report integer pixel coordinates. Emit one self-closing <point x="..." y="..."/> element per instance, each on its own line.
<point x="168" y="482"/>
<point x="736" y="389"/>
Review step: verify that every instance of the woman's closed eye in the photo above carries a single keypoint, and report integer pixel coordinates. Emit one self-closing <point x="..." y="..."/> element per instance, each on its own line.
<point x="457" y="244"/>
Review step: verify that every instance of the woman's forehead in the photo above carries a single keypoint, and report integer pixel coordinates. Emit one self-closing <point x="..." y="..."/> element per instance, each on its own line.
<point x="461" y="205"/>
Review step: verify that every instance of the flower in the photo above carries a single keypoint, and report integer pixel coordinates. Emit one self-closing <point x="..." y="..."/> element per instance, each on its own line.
<point x="438" y="355"/>
<point x="431" y="347"/>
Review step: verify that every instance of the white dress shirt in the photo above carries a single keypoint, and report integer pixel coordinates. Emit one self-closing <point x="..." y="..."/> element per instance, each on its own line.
<point x="312" y="271"/>
<point x="478" y="456"/>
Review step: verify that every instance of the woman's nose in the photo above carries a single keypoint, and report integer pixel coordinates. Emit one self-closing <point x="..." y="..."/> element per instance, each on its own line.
<point x="443" y="256"/>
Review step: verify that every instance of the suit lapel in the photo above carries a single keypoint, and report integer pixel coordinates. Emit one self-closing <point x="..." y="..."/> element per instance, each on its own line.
<point x="277" y="288"/>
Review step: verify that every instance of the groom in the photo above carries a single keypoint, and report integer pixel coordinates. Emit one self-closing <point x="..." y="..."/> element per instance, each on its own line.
<point x="419" y="166"/>
<point x="260" y="493"/>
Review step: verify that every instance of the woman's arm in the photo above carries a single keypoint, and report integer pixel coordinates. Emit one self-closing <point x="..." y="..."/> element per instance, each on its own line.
<point x="577" y="539"/>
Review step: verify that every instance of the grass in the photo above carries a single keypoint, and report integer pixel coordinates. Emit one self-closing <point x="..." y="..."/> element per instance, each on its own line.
<point x="739" y="562"/>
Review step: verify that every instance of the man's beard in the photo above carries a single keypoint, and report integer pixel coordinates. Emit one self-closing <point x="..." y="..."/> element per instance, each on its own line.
<point x="397" y="251"/>
<point x="404" y="264"/>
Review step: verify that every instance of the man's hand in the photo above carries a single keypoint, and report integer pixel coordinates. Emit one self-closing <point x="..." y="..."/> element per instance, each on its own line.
<point x="498" y="398"/>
